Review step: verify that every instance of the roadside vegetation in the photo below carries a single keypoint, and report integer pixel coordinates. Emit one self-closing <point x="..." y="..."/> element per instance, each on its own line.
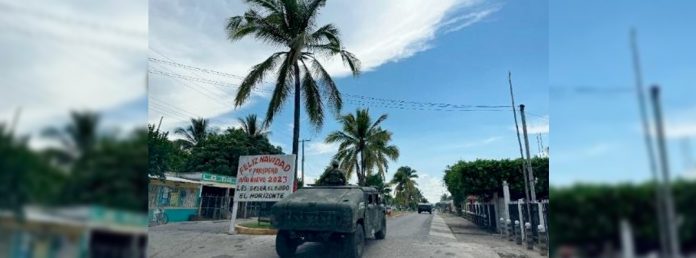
<point x="587" y="216"/>
<point x="207" y="149"/>
<point x="87" y="165"/>
<point x="484" y="179"/>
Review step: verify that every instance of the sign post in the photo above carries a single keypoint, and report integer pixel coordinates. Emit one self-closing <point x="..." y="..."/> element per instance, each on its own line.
<point x="263" y="178"/>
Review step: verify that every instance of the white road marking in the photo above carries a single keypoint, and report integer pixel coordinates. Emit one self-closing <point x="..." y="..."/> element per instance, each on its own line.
<point x="439" y="228"/>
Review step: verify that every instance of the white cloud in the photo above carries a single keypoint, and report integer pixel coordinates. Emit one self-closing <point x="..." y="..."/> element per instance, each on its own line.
<point x="475" y="143"/>
<point x="539" y="125"/>
<point x="378" y="32"/>
<point x="677" y="124"/>
<point x="70" y="55"/>
<point x="431" y="187"/>
<point x="318" y="148"/>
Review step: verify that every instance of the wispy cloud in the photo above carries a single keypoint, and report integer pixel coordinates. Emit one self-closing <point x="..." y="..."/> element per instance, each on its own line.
<point x="678" y="124"/>
<point x="70" y="55"/>
<point x="319" y="148"/>
<point x="540" y="125"/>
<point x="467" y="19"/>
<point x="377" y="32"/>
<point x="475" y="143"/>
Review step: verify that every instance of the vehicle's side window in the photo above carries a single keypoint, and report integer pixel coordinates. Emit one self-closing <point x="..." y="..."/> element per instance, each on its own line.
<point x="372" y="199"/>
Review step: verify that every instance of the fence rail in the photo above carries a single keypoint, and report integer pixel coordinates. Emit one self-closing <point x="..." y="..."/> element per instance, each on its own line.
<point x="512" y="222"/>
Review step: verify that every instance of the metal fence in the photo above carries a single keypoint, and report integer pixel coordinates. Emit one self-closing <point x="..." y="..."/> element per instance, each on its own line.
<point x="214" y="207"/>
<point x="485" y="216"/>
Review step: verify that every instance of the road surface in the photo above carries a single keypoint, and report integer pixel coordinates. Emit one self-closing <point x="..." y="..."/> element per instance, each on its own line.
<point x="410" y="235"/>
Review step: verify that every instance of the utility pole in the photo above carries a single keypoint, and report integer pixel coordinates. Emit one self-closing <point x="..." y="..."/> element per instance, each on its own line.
<point x="530" y="173"/>
<point x="303" y="171"/>
<point x="519" y="142"/>
<point x="661" y="220"/>
<point x="666" y="182"/>
<point x="15" y="120"/>
<point x="160" y="123"/>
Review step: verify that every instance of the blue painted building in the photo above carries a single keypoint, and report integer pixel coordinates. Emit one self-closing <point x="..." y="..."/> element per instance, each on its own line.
<point x="189" y="196"/>
<point x="72" y="232"/>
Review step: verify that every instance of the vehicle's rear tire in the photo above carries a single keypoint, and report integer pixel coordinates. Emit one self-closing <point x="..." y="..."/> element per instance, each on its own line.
<point x="285" y="246"/>
<point x="382" y="233"/>
<point x="354" y="244"/>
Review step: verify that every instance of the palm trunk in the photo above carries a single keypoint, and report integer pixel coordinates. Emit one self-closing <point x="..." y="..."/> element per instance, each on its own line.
<point x="296" y="128"/>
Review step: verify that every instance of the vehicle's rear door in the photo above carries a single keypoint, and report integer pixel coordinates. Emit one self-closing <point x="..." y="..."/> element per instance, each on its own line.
<point x="372" y="224"/>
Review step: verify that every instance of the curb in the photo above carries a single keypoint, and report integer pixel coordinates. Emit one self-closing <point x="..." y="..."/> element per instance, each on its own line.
<point x="254" y="231"/>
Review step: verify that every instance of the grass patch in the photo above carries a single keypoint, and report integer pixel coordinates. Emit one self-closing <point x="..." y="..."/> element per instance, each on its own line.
<point x="255" y="224"/>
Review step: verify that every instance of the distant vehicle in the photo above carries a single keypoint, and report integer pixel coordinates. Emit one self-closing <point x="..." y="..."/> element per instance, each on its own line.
<point x="389" y="210"/>
<point x="346" y="215"/>
<point x="423" y="207"/>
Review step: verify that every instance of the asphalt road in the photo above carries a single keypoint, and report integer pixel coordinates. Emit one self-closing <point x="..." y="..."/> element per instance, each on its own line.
<point x="410" y="235"/>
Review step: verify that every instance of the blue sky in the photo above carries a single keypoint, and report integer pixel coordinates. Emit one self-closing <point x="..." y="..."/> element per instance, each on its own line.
<point x="458" y="53"/>
<point x="598" y="137"/>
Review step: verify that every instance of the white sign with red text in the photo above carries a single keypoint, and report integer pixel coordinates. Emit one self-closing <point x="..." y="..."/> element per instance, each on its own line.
<point x="264" y="178"/>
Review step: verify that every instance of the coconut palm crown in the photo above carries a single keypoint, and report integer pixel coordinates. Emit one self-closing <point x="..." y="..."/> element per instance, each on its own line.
<point x="363" y="145"/>
<point x="291" y="26"/>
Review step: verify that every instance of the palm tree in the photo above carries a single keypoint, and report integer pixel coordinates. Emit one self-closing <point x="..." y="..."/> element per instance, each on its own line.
<point x="378" y="183"/>
<point x="290" y="24"/>
<point x="405" y="184"/>
<point x="364" y="145"/>
<point x="195" y="133"/>
<point x="78" y="137"/>
<point x="253" y="128"/>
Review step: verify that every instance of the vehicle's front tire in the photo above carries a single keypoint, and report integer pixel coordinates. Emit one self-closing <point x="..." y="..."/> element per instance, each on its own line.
<point x="382" y="233"/>
<point x="354" y="243"/>
<point x="285" y="246"/>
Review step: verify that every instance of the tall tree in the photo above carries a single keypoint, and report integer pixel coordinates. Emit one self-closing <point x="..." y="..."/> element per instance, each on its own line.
<point x="364" y="145"/>
<point x="163" y="155"/>
<point x="253" y="128"/>
<point x="196" y="132"/>
<point x="77" y="138"/>
<point x="219" y="153"/>
<point x="405" y="185"/>
<point x="291" y="25"/>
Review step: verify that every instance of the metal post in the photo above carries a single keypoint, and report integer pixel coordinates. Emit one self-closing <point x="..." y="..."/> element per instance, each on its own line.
<point x="662" y="223"/>
<point x="530" y="173"/>
<point x="518" y="234"/>
<point x="543" y="247"/>
<point x="666" y="181"/>
<point x="528" y="235"/>
<point x="627" y="240"/>
<point x="519" y="142"/>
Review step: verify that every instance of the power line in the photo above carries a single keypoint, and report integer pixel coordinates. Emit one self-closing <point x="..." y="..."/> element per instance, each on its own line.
<point x="360" y="100"/>
<point x="354" y="96"/>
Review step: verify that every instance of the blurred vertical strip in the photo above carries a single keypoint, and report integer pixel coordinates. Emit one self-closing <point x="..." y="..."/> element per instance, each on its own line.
<point x="73" y="144"/>
<point x="600" y="176"/>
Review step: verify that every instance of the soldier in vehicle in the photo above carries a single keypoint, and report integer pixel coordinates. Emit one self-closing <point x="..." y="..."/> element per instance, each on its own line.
<point x="333" y="176"/>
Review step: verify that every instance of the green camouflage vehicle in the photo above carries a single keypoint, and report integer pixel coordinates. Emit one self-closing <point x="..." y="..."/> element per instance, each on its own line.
<point x="423" y="207"/>
<point x="345" y="215"/>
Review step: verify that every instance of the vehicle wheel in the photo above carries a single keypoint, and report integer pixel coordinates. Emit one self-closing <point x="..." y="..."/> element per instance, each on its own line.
<point x="285" y="247"/>
<point x="382" y="233"/>
<point x="355" y="243"/>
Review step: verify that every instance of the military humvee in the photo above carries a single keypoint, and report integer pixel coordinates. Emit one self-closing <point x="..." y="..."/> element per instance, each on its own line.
<point x="423" y="207"/>
<point x="343" y="215"/>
